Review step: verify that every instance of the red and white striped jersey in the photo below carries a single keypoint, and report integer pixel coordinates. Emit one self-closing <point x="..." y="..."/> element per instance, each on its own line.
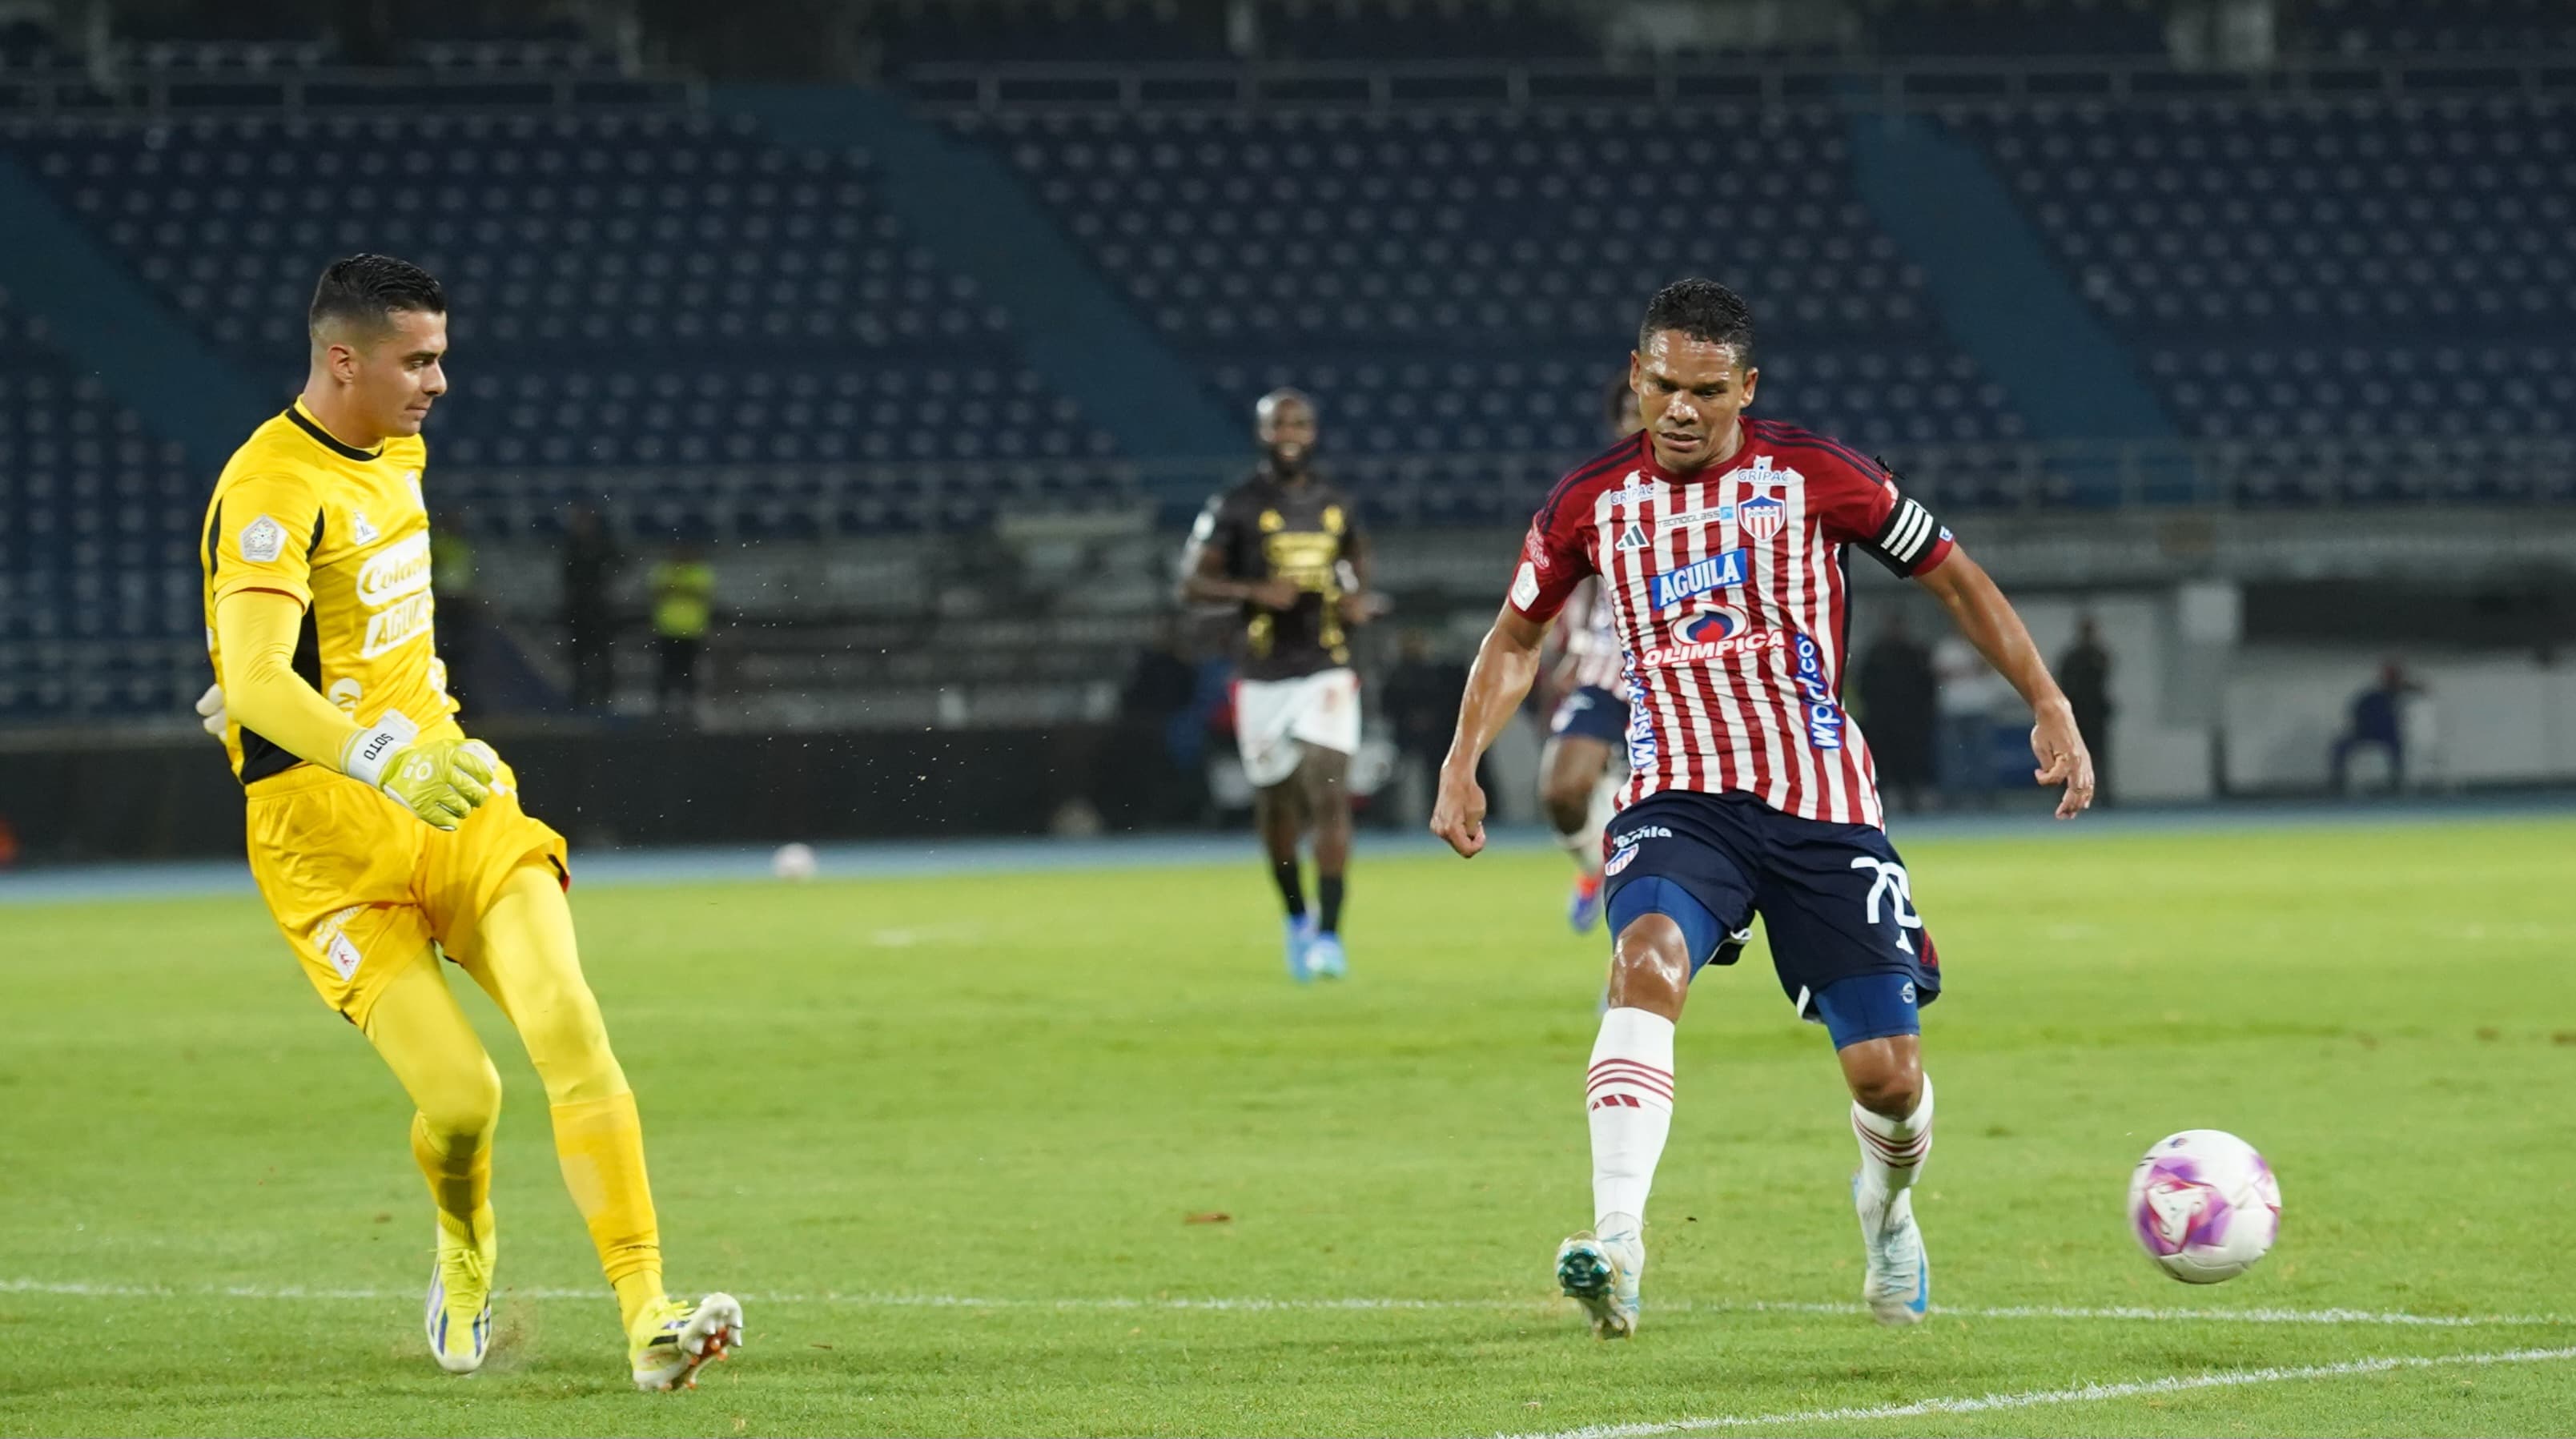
<point x="1593" y="654"/>
<point x="1728" y="591"/>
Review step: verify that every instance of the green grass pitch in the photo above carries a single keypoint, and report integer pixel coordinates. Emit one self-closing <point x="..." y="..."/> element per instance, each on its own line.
<point x="948" y="1139"/>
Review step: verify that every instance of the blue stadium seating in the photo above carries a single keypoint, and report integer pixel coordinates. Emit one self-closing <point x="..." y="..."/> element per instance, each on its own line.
<point x="99" y="607"/>
<point x="2417" y="28"/>
<point x="2321" y="270"/>
<point x="653" y="288"/>
<point x="1457" y="281"/>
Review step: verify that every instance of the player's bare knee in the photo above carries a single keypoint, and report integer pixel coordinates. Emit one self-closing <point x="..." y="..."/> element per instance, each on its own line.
<point x="1569" y="806"/>
<point x="1650" y="968"/>
<point x="1885" y="1077"/>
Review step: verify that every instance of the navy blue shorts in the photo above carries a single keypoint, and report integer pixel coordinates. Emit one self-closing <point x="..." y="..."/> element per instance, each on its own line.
<point x="1834" y="898"/>
<point x="1591" y="712"/>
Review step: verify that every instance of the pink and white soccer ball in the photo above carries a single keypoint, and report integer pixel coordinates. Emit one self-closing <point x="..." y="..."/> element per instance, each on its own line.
<point x="2205" y="1205"/>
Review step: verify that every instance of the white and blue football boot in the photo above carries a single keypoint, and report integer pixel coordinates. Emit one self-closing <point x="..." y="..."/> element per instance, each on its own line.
<point x="1602" y="1274"/>
<point x="1897" y="1284"/>
<point x="459" y="1313"/>
<point x="1325" y="959"/>
<point x="1301" y="938"/>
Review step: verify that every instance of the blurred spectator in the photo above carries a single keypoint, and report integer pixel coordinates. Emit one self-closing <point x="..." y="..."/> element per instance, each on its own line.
<point x="1899" y="702"/>
<point x="2378" y="721"/>
<point x="1148" y="775"/>
<point x="1970" y="694"/>
<point x="1421" y="706"/>
<point x="684" y="588"/>
<point x="2084" y="673"/>
<point x="590" y="565"/>
<point x="451" y="582"/>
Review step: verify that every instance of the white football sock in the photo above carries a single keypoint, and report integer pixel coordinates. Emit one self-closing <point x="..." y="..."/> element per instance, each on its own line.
<point x="1892" y="1152"/>
<point x="1629" y="1094"/>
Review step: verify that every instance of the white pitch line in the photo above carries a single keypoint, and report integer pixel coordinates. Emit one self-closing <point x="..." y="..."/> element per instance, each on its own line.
<point x="2037" y="1398"/>
<point x="77" y="1289"/>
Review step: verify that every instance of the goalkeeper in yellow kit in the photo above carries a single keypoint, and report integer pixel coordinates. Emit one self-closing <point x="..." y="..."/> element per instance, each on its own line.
<point x="382" y="837"/>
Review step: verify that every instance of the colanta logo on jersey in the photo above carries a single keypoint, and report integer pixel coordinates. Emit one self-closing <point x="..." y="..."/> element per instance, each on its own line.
<point x="395" y="585"/>
<point x="1719" y="632"/>
<point x="1824" y="710"/>
<point x="1721" y="571"/>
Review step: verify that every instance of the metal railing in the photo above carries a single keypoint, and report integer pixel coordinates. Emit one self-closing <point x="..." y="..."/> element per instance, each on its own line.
<point x="1771" y="82"/>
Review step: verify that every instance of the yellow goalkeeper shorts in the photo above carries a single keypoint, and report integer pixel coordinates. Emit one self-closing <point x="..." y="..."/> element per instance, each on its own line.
<point x="360" y="886"/>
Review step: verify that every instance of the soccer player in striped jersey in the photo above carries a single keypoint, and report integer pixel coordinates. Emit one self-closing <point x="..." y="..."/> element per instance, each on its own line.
<point x="1580" y="770"/>
<point x="1720" y="540"/>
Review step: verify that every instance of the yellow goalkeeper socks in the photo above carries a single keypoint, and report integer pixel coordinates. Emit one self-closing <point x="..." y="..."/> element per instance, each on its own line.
<point x="601" y="1144"/>
<point x="460" y="1181"/>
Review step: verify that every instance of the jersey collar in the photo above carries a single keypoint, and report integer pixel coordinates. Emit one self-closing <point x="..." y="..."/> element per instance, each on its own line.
<point x="304" y="421"/>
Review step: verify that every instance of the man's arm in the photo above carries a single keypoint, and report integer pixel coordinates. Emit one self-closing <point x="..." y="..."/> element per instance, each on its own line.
<point x="255" y="629"/>
<point x="1506" y="664"/>
<point x="1989" y="622"/>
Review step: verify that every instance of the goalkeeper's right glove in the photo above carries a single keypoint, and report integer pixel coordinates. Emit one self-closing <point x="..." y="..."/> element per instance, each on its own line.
<point x="440" y="780"/>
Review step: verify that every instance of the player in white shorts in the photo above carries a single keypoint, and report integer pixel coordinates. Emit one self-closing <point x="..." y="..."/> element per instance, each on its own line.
<point x="1285" y="547"/>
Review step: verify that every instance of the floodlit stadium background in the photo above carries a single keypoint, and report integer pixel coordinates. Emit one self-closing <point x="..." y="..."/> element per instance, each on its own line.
<point x="2244" y="328"/>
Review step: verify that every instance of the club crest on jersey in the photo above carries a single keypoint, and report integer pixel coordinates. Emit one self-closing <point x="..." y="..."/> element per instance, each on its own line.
<point x="1724" y="570"/>
<point x="1761" y="518"/>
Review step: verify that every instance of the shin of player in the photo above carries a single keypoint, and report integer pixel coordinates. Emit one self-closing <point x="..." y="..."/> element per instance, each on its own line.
<point x="1286" y="551"/>
<point x="317" y="583"/>
<point x="1719" y="540"/>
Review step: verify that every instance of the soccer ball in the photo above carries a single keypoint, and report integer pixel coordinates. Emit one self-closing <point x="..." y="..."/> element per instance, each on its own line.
<point x="793" y="862"/>
<point x="2205" y="1205"/>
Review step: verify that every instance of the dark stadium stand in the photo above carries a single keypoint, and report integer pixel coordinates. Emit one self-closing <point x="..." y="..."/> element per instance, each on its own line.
<point x="655" y="288"/>
<point x="1462" y="280"/>
<point x="99" y="610"/>
<point x="717" y="337"/>
<point x="2324" y="270"/>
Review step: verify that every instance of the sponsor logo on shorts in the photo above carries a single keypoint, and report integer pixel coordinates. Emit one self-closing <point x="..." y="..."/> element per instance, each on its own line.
<point x="263" y="540"/>
<point x="1823" y="711"/>
<point x="337" y="951"/>
<point x="1724" y="570"/>
<point x="1907" y="993"/>
<point x="1624" y="847"/>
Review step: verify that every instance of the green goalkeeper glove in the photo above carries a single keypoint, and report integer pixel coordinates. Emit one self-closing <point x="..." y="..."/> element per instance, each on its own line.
<point x="440" y="780"/>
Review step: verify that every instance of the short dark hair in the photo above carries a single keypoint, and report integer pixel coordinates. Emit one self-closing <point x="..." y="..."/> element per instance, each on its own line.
<point x="1702" y="310"/>
<point x="369" y="288"/>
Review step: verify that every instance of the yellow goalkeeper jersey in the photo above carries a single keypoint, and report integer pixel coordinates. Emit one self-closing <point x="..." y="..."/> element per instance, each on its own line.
<point x="343" y="531"/>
